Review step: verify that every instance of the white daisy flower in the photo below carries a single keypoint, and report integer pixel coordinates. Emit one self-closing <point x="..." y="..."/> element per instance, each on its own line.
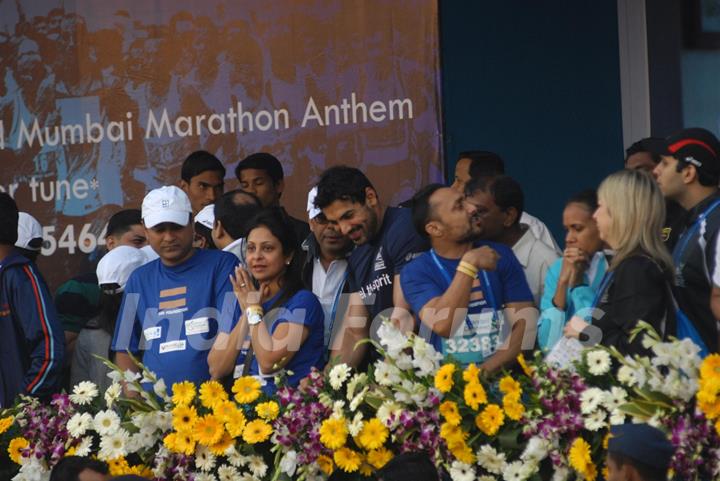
<point x="106" y="422"/>
<point x="389" y="413"/>
<point x="614" y="398"/>
<point x="561" y="474"/>
<point x="227" y="473"/>
<point x="516" y="471"/>
<point x="461" y="472"/>
<point x="486" y="477"/>
<point x="590" y="399"/>
<point x="338" y="375"/>
<point x="204" y="477"/>
<point x="491" y="460"/>
<point x="386" y="374"/>
<point x="83" y="449"/>
<point x="257" y="466"/>
<point x="595" y="421"/>
<point x="204" y="459"/>
<point x="114" y="445"/>
<point x="234" y="457"/>
<point x="83" y="393"/>
<point x="598" y="362"/>
<point x="79" y="424"/>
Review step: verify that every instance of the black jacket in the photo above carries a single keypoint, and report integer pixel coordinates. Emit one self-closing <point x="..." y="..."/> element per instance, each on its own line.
<point x="639" y="290"/>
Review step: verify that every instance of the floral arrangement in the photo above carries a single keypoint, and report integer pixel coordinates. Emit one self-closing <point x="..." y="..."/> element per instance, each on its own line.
<point x="541" y="423"/>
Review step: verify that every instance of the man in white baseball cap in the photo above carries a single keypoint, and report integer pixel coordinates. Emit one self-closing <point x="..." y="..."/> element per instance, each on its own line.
<point x="204" y="221"/>
<point x="175" y="303"/>
<point x="30" y="238"/>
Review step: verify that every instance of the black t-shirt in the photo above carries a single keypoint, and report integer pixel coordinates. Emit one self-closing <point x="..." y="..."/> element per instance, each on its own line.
<point x="674" y="224"/>
<point x="375" y="263"/>
<point x="638" y="291"/>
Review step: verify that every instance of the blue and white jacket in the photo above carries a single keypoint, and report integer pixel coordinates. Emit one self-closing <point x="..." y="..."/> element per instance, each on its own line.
<point x="32" y="342"/>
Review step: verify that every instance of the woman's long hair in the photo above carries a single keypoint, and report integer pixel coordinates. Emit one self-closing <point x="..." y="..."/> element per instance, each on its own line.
<point x="637" y="212"/>
<point x="279" y="226"/>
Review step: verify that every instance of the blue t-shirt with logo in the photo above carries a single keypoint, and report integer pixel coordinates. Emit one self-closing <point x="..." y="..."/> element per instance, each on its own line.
<point x="171" y="314"/>
<point x="422" y="281"/>
<point x="375" y="263"/>
<point x="305" y="309"/>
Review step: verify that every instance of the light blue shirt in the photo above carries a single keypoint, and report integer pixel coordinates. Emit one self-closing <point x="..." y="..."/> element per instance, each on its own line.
<point x="552" y="320"/>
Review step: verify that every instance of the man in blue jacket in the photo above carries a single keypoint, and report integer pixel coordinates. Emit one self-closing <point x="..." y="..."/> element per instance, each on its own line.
<point x="31" y="338"/>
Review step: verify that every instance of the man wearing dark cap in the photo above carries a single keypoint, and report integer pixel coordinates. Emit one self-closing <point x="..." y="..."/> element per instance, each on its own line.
<point x="262" y="174"/>
<point x="645" y="154"/>
<point x="689" y="173"/>
<point x="638" y="452"/>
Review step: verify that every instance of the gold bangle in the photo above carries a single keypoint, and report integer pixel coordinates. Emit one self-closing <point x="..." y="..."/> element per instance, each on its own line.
<point x="469" y="267"/>
<point x="466" y="272"/>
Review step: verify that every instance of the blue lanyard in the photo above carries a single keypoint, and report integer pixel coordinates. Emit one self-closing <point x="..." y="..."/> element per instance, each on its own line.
<point x="680" y="247"/>
<point x="333" y="311"/>
<point x="607" y="278"/>
<point x="486" y="281"/>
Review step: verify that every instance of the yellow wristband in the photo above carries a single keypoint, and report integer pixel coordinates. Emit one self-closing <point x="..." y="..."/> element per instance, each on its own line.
<point x="469" y="267"/>
<point x="467" y="272"/>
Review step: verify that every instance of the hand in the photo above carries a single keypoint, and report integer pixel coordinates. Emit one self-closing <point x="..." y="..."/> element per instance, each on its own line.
<point x="245" y="291"/>
<point x="575" y="262"/>
<point x="574" y="327"/>
<point x="484" y="258"/>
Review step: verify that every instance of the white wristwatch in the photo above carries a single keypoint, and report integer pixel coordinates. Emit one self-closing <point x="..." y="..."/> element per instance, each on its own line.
<point x="254" y="315"/>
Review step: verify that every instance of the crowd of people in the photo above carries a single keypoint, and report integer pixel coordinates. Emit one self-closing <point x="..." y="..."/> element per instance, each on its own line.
<point x="204" y="284"/>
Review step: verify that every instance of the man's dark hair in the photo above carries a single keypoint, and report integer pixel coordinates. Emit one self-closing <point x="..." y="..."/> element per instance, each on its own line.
<point x="483" y="163"/>
<point x="234" y="216"/>
<point x="506" y="191"/>
<point x="420" y="205"/>
<point x="70" y="467"/>
<point x="587" y="197"/>
<point x="409" y="467"/>
<point x="121" y="221"/>
<point x="705" y="178"/>
<point x="341" y="183"/>
<point x="651" y="145"/>
<point x="8" y="220"/>
<point x="198" y="162"/>
<point x="261" y="161"/>
<point x="646" y="472"/>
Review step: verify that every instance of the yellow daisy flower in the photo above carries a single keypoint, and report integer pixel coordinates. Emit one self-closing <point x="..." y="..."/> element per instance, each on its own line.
<point x="710" y="366"/>
<point x="246" y="389"/>
<point x="208" y="430"/>
<point x="373" y="434"/>
<point x="70" y="452"/>
<point x="326" y="464"/>
<point x="5" y="423"/>
<point x="462" y="452"/>
<point x="182" y="443"/>
<point x="347" y="460"/>
<point x="508" y="385"/>
<point x="235" y="423"/>
<point x="184" y="418"/>
<point x="449" y="410"/>
<point x="580" y="456"/>
<point x="183" y="393"/>
<point x="268" y="410"/>
<point x="471" y="373"/>
<point x="365" y="470"/>
<point x="444" y="378"/>
<point x="224" y="410"/>
<point x="490" y="419"/>
<point x="212" y="393"/>
<point x="118" y="466"/>
<point x="514" y="409"/>
<point x="379" y="457"/>
<point x="256" y="431"/>
<point x="474" y="395"/>
<point x="333" y="433"/>
<point x="219" y="448"/>
<point x="15" y="449"/>
<point x="452" y="434"/>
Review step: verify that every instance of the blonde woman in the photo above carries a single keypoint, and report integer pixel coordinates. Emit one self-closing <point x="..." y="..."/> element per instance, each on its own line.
<point x="629" y="217"/>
